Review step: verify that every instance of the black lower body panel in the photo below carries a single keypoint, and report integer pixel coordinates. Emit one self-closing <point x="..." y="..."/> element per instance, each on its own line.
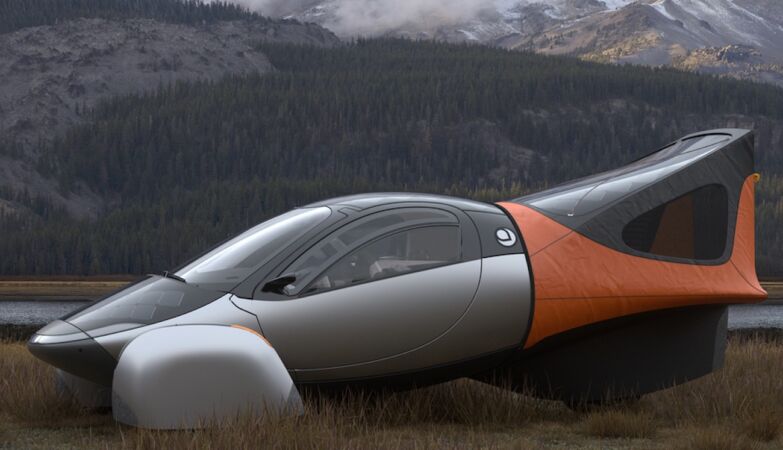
<point x="416" y="379"/>
<point x="621" y="359"/>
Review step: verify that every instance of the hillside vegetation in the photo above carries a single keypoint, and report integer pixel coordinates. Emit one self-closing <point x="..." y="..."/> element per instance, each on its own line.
<point x="18" y="14"/>
<point x="187" y="166"/>
<point x="60" y="58"/>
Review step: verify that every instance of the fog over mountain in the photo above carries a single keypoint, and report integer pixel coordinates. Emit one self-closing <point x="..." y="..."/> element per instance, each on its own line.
<point x="740" y="38"/>
<point x="350" y="18"/>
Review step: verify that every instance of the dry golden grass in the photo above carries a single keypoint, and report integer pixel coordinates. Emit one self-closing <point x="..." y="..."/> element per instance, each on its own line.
<point x="28" y="388"/>
<point x="738" y="407"/>
<point x="715" y="438"/>
<point x="745" y="396"/>
<point x="26" y="289"/>
<point x="620" y="423"/>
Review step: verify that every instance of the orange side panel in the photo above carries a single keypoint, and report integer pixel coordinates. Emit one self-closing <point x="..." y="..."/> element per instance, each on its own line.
<point x="579" y="282"/>
<point x="677" y="220"/>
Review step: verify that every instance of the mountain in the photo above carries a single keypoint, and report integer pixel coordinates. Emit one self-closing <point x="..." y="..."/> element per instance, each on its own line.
<point x="55" y="68"/>
<point x="187" y="166"/>
<point x="134" y="134"/>
<point x="740" y="38"/>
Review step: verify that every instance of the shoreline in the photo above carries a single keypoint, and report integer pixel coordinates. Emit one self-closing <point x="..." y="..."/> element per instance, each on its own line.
<point x="81" y="289"/>
<point x="60" y="290"/>
<point x="20" y="333"/>
<point x="66" y="278"/>
<point x="87" y="289"/>
<point x="48" y="298"/>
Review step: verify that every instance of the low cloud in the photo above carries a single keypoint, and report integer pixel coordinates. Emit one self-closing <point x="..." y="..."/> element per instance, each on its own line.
<point x="376" y="17"/>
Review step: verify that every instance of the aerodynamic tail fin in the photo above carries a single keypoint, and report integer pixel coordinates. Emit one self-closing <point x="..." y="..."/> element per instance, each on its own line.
<point x="673" y="229"/>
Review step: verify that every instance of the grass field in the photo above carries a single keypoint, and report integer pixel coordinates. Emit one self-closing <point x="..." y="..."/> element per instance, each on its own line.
<point x="738" y="407"/>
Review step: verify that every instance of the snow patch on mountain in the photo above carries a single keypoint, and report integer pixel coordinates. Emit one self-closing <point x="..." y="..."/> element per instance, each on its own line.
<point x="660" y="6"/>
<point x="651" y="32"/>
<point x="616" y="4"/>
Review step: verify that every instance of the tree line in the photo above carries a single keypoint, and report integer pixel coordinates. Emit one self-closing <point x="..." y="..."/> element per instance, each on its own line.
<point x="18" y="14"/>
<point x="193" y="163"/>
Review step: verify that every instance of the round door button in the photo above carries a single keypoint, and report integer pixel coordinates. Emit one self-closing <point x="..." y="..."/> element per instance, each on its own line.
<point x="505" y="237"/>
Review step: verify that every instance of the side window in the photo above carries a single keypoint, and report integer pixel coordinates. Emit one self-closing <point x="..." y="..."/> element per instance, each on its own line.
<point x="693" y="226"/>
<point x="325" y="253"/>
<point x="403" y="252"/>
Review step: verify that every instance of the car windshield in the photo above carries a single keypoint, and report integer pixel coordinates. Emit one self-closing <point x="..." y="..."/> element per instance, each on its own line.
<point x="232" y="262"/>
<point x="150" y="300"/>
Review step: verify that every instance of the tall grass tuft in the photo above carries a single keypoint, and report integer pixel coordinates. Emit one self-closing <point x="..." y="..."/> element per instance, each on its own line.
<point x="746" y="395"/>
<point x="620" y="423"/>
<point x="715" y="438"/>
<point x="28" y="387"/>
<point x="763" y="425"/>
<point x="432" y="418"/>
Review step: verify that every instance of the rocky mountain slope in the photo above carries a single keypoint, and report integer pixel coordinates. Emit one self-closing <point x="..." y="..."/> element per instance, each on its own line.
<point x="741" y="38"/>
<point x="50" y="76"/>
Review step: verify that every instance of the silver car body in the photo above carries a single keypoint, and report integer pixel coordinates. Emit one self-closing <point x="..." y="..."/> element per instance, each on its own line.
<point x="398" y="289"/>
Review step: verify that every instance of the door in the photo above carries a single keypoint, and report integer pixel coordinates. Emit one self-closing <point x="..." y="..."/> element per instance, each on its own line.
<point x="380" y="286"/>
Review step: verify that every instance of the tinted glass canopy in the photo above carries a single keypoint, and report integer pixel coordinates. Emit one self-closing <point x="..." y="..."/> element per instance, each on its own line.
<point x="335" y="246"/>
<point x="400" y="253"/>
<point x="678" y="204"/>
<point x="150" y="300"/>
<point x="232" y="262"/>
<point x="365" y="201"/>
<point x="585" y="196"/>
<point x="692" y="226"/>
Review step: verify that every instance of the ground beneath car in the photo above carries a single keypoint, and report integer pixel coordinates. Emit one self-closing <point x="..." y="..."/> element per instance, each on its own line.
<point x="738" y="407"/>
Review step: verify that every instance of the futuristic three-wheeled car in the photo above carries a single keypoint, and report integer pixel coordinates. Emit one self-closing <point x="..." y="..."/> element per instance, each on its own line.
<point x="608" y="287"/>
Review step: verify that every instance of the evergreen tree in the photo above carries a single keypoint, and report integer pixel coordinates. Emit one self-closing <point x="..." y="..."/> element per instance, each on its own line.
<point x="193" y="163"/>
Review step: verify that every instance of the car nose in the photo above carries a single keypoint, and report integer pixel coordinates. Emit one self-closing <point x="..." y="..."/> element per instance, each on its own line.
<point x="70" y="349"/>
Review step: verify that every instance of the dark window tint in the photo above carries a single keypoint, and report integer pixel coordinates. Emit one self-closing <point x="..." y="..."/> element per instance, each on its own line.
<point x="333" y="247"/>
<point x="693" y="226"/>
<point x="148" y="301"/>
<point x="400" y="253"/>
<point x="585" y="196"/>
<point x="230" y="263"/>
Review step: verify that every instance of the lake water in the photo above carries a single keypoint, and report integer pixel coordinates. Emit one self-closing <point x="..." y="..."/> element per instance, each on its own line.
<point x="35" y="312"/>
<point x="41" y="312"/>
